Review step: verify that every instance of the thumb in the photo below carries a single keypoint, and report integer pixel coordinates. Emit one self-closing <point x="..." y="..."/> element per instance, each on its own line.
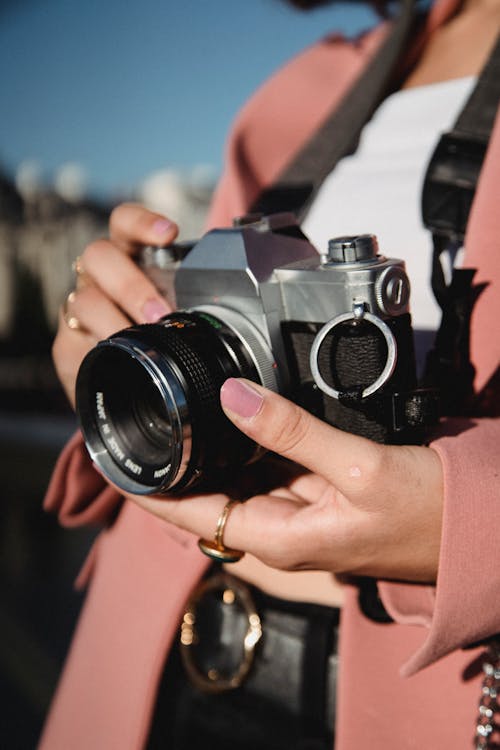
<point x="285" y="428"/>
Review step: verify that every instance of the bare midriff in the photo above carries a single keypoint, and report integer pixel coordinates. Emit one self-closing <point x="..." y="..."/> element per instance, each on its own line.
<point x="317" y="586"/>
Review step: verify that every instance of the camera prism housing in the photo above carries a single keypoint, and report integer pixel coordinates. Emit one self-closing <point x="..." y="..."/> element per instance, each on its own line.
<point x="331" y="332"/>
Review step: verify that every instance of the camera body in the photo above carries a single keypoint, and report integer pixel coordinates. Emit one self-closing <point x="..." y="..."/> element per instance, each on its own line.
<point x="331" y="332"/>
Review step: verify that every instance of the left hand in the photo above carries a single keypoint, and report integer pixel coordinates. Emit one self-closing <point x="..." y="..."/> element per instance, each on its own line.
<point x="112" y="291"/>
<point x="361" y="508"/>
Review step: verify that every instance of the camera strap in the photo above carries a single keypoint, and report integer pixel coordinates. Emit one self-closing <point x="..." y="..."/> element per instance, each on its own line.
<point x="447" y="195"/>
<point x="295" y="188"/>
<point x="454" y="168"/>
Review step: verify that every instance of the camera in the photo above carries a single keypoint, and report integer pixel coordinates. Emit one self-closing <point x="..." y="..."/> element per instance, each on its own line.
<point x="330" y="331"/>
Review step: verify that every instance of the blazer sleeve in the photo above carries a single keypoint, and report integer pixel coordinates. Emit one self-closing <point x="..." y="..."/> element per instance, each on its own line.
<point x="283" y="114"/>
<point x="464" y="607"/>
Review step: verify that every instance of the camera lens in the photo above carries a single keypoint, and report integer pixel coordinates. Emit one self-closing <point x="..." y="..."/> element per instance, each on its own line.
<point x="137" y="413"/>
<point x="148" y="399"/>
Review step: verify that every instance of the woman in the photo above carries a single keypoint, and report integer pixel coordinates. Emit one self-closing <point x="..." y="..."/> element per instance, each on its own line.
<point x="412" y="517"/>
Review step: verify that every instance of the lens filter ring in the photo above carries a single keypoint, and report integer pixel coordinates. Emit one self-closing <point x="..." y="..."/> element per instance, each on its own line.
<point x="133" y="418"/>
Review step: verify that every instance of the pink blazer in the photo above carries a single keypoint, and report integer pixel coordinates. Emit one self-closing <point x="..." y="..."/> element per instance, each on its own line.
<point x="409" y="684"/>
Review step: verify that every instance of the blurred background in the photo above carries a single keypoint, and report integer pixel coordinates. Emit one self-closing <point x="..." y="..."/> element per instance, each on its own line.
<point x="102" y="102"/>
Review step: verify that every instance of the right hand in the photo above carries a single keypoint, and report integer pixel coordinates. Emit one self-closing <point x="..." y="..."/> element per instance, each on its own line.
<point x="112" y="292"/>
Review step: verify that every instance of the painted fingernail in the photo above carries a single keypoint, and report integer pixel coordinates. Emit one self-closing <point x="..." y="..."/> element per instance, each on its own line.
<point x="154" y="309"/>
<point x="240" y="398"/>
<point x="162" y="226"/>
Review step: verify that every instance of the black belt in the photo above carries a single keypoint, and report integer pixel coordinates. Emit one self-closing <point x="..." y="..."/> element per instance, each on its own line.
<point x="288" y="690"/>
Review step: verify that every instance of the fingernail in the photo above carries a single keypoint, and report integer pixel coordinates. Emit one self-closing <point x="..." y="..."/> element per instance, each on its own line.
<point x="162" y="226"/>
<point x="240" y="398"/>
<point x="154" y="309"/>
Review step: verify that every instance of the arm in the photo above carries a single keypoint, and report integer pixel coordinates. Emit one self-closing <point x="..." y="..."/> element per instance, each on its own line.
<point x="463" y="608"/>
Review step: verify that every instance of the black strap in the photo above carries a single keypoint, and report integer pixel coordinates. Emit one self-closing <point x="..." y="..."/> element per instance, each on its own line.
<point x="448" y="365"/>
<point x="448" y="192"/>
<point x="297" y="185"/>
<point x="454" y="168"/>
<point x="319" y="645"/>
<point x="478" y="116"/>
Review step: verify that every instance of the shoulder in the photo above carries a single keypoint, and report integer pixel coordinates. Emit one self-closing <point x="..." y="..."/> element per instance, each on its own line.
<point x="283" y="113"/>
<point x="299" y="95"/>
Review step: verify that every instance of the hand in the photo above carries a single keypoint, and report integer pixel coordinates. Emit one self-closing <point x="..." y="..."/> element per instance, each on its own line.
<point x="112" y="292"/>
<point x="361" y="507"/>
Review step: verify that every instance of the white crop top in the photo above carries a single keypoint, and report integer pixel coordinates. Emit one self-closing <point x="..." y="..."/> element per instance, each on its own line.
<point x="378" y="189"/>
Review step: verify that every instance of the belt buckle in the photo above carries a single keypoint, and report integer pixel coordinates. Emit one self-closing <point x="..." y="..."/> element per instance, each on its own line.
<point x="233" y="590"/>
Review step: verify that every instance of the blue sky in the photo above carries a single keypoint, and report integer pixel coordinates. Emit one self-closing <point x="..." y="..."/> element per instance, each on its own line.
<point x="127" y="88"/>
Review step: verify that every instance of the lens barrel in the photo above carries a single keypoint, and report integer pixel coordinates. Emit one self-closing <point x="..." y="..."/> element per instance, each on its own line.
<point x="147" y="399"/>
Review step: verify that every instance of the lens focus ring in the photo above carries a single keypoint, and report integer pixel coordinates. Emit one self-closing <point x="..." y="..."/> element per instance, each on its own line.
<point x="194" y="369"/>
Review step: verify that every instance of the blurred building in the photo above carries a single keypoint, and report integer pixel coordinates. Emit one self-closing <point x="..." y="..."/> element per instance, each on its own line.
<point x="42" y="231"/>
<point x="183" y="197"/>
<point x="39" y="237"/>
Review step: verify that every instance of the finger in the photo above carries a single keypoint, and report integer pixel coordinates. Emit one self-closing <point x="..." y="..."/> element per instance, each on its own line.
<point x="275" y="529"/>
<point x="131" y="225"/>
<point x="96" y="313"/>
<point x="309" y="486"/>
<point x="278" y="531"/>
<point x="349" y="462"/>
<point x="262" y="526"/>
<point x="122" y="280"/>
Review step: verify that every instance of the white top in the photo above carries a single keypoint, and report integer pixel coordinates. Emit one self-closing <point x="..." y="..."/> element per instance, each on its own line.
<point x="378" y="189"/>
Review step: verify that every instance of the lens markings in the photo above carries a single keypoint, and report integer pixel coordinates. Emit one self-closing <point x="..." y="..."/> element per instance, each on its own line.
<point x="159" y="473"/>
<point x="134" y="468"/>
<point x="99" y="400"/>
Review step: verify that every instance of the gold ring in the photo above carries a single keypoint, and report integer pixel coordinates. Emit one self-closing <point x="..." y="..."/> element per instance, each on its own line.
<point x="82" y="277"/>
<point x="70" y="319"/>
<point x="77" y="266"/>
<point x="216" y="549"/>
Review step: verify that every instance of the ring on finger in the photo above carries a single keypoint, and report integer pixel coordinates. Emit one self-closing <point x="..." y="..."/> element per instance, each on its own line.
<point x="77" y="266"/>
<point x="80" y="272"/>
<point x="216" y="549"/>
<point x="70" y="318"/>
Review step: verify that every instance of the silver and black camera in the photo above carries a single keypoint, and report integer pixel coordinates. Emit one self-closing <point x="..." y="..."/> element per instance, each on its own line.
<point x="331" y="332"/>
